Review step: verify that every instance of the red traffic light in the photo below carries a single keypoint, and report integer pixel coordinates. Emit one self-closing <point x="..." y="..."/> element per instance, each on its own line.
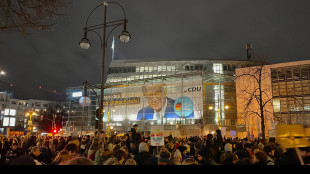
<point x="40" y="87"/>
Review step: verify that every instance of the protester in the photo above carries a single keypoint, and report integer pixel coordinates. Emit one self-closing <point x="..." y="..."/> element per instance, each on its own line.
<point x="62" y="157"/>
<point x="130" y="162"/>
<point x="123" y="150"/>
<point x="80" y="161"/>
<point x="118" y="158"/>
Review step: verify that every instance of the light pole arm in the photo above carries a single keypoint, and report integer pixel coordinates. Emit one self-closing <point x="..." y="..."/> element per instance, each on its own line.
<point x="105" y="3"/>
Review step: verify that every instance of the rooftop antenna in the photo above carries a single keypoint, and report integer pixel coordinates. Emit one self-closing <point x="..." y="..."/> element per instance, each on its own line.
<point x="248" y="47"/>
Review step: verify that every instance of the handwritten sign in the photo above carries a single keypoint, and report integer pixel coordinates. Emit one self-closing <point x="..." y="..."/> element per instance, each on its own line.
<point x="157" y="136"/>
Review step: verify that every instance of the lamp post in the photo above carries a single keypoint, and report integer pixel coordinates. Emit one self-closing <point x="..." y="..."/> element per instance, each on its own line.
<point x="85" y="43"/>
<point x="30" y="125"/>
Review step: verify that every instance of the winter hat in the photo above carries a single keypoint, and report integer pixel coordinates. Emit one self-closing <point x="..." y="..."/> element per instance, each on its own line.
<point x="228" y="147"/>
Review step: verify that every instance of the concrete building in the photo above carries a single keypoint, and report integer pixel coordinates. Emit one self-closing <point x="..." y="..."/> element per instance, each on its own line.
<point x="15" y="110"/>
<point x="285" y="96"/>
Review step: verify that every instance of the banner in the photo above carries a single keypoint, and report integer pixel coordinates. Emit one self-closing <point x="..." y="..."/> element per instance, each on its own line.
<point x="169" y="100"/>
<point x="16" y="133"/>
<point x="157" y="136"/>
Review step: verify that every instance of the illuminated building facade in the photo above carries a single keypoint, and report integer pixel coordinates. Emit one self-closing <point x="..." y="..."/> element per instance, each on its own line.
<point x="286" y="96"/>
<point x="188" y="97"/>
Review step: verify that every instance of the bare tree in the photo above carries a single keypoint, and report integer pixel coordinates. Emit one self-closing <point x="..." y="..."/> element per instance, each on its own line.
<point x="254" y="89"/>
<point x="22" y="15"/>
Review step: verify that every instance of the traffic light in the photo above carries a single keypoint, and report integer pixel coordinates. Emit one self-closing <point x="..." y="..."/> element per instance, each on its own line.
<point x="55" y="131"/>
<point x="41" y="117"/>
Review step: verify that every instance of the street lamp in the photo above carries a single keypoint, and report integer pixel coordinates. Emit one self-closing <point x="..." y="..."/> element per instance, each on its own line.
<point x="2" y="73"/>
<point x="85" y="43"/>
<point x="30" y="125"/>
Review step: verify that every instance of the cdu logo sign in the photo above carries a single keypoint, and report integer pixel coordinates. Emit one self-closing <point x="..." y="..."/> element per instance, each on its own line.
<point x="193" y="89"/>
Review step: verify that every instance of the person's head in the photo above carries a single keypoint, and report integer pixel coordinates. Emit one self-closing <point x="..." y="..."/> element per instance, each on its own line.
<point x="268" y="150"/>
<point x="154" y="95"/>
<point x="72" y="148"/>
<point x="248" y="147"/>
<point x="228" y="147"/>
<point x="62" y="157"/>
<point x="130" y="162"/>
<point x="125" y="149"/>
<point x="120" y="156"/>
<point x="177" y="156"/>
<point x="14" y="146"/>
<point x="260" y="146"/>
<point x="260" y="157"/>
<point x="244" y="161"/>
<point x="198" y="145"/>
<point x="201" y="155"/>
<point x="239" y="145"/>
<point x="190" y="161"/>
<point x="143" y="147"/>
<point x="135" y="126"/>
<point x="80" y="161"/>
<point x="25" y="160"/>
<point x="35" y="151"/>
<point x="101" y="134"/>
<point x="164" y="153"/>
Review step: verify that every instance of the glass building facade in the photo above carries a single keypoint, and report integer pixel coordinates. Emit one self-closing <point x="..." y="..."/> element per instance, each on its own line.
<point x="291" y="93"/>
<point x="173" y="93"/>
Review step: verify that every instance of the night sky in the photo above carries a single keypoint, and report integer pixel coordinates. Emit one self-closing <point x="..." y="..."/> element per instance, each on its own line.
<point x="159" y="29"/>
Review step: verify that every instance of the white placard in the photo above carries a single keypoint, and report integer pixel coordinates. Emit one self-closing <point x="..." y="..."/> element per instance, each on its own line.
<point x="232" y="133"/>
<point x="157" y="136"/>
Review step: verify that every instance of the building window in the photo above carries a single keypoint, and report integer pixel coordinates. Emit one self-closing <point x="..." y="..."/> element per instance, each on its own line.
<point x="168" y="68"/>
<point x="164" y="68"/>
<point x="172" y="68"/>
<point x="142" y="69"/>
<point x="192" y="68"/>
<point x="217" y="68"/>
<point x="146" y="69"/>
<point x="276" y="105"/>
<point x="187" y="68"/>
<point x="150" y="69"/>
<point x="159" y="68"/>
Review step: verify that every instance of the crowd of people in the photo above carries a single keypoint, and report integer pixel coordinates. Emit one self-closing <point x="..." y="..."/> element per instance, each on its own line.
<point x="133" y="148"/>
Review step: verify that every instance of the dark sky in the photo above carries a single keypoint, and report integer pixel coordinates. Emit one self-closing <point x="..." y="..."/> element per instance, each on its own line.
<point x="159" y="29"/>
